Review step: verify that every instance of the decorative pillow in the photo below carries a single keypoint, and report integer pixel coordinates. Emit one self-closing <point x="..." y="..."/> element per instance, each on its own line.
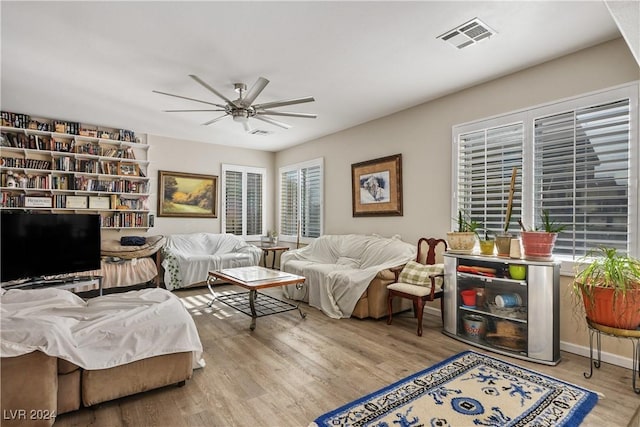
<point x="415" y="273"/>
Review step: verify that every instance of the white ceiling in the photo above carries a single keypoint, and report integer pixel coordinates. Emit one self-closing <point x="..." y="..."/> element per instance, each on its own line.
<point x="98" y="62"/>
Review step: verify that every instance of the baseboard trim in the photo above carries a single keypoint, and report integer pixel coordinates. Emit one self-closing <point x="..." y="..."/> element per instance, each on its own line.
<point x="613" y="359"/>
<point x="580" y="350"/>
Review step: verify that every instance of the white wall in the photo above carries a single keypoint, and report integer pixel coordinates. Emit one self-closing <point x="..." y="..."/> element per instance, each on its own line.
<point x="177" y="155"/>
<point x="423" y="135"/>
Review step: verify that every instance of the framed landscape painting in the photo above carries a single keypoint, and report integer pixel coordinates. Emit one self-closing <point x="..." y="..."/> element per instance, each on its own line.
<point x="377" y="187"/>
<point x="187" y="195"/>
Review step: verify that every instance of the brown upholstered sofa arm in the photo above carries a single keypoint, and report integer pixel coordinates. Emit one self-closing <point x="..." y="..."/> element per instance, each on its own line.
<point x="29" y="390"/>
<point x="36" y="388"/>
<point x="374" y="300"/>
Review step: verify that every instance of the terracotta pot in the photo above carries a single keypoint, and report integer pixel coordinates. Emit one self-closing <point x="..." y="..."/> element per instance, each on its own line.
<point x="538" y="245"/>
<point x="461" y="242"/>
<point x="605" y="308"/>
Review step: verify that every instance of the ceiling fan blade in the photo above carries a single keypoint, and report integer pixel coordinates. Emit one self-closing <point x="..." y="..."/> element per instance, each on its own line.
<point x="247" y="128"/>
<point x="273" y="122"/>
<point x="283" y="113"/>
<point x="214" y="120"/>
<point x="283" y="103"/>
<point x="188" y="111"/>
<point x="185" y="97"/>
<point x="203" y="83"/>
<point x="253" y="93"/>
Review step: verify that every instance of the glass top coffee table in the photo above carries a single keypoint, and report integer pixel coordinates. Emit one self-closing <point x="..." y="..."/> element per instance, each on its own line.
<point x="253" y="303"/>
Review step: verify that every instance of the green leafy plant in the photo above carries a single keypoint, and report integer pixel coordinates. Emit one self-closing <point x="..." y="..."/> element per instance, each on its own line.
<point x="548" y="225"/>
<point x="609" y="288"/>
<point x="466" y="224"/>
<point x="607" y="269"/>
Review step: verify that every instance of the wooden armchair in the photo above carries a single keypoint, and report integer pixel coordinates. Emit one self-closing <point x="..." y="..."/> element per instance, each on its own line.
<point x="419" y="281"/>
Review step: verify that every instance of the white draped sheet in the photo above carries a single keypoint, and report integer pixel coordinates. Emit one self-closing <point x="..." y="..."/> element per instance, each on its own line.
<point x="188" y="258"/>
<point x="99" y="333"/>
<point x="338" y="269"/>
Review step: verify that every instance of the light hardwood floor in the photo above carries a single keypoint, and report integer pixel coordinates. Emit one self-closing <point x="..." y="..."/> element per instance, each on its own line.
<point x="291" y="370"/>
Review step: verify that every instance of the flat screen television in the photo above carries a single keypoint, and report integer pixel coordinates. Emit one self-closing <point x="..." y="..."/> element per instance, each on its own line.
<point x="40" y="245"/>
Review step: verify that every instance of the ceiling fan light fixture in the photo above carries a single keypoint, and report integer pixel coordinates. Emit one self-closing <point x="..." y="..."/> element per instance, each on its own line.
<point x="240" y="115"/>
<point x="243" y="108"/>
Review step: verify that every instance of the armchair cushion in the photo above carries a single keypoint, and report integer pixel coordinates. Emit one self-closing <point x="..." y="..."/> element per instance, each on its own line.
<point x="415" y="273"/>
<point x="405" y="288"/>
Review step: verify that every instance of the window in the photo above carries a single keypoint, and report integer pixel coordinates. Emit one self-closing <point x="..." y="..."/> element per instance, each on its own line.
<point x="582" y="175"/>
<point x="301" y="200"/>
<point x="576" y="158"/>
<point x="486" y="161"/>
<point x="243" y="197"/>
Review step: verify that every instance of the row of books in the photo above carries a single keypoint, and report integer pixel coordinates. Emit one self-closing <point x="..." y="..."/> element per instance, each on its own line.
<point x="62" y="164"/>
<point x="24" y="181"/>
<point x="112" y="186"/>
<point x="17" y="162"/>
<point x="63" y="182"/>
<point x="37" y="142"/>
<point x="133" y="204"/>
<point x="24" y="121"/>
<point x="124" y="219"/>
<point x="119" y="153"/>
<point x="11" y="200"/>
<point x="15" y="120"/>
<point x="47" y="143"/>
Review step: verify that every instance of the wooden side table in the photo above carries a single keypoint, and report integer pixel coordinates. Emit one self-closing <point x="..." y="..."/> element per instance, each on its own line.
<point x="271" y="248"/>
<point x="632" y="335"/>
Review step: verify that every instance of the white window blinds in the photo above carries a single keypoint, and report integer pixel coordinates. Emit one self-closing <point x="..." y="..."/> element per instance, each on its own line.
<point x="578" y="159"/>
<point x="301" y="200"/>
<point x="311" y="200"/>
<point x="233" y="202"/>
<point x="243" y="198"/>
<point x="581" y="169"/>
<point x="486" y="161"/>
<point x="254" y="204"/>
<point x="289" y="203"/>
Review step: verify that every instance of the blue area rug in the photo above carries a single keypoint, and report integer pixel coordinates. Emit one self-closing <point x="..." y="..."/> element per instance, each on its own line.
<point x="469" y="389"/>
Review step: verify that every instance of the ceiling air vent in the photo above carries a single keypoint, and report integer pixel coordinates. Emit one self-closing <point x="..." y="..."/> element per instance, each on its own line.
<point x="259" y="132"/>
<point x="468" y="33"/>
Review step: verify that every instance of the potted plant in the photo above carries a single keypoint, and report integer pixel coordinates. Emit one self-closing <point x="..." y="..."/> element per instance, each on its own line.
<point x="503" y="240"/>
<point x="609" y="287"/>
<point x="487" y="243"/>
<point x="538" y="244"/>
<point x="273" y="237"/>
<point x="463" y="240"/>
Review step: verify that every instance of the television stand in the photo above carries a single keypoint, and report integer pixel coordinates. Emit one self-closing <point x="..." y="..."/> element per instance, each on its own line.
<point x="72" y="283"/>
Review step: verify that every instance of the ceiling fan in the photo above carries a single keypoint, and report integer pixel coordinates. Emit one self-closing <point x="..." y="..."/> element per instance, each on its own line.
<point x="242" y="109"/>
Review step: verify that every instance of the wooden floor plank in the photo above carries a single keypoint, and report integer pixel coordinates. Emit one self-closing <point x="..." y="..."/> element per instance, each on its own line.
<point x="291" y="370"/>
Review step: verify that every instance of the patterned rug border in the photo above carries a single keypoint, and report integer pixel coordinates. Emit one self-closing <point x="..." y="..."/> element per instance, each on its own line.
<point x="578" y="414"/>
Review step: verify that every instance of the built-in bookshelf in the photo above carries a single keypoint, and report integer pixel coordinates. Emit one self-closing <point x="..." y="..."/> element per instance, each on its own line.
<point x="59" y="166"/>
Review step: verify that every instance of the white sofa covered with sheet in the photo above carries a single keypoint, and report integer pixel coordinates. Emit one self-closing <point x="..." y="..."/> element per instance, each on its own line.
<point x="339" y="269"/>
<point x="188" y="258"/>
